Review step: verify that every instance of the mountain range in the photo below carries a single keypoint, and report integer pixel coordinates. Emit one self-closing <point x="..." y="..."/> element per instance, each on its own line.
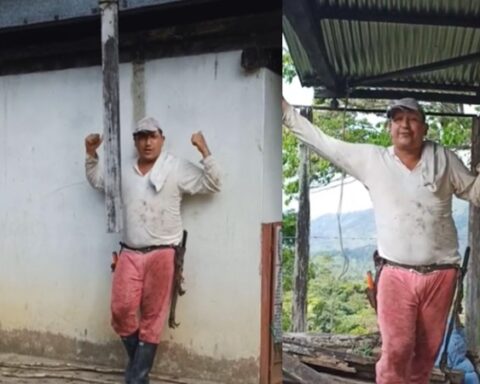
<point x="359" y="236"/>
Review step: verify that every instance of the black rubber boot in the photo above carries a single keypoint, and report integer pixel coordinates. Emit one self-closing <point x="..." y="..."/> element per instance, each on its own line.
<point x="143" y="362"/>
<point x="130" y="342"/>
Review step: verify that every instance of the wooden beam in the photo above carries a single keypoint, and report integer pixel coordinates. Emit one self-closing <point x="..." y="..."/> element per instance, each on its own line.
<point x="302" y="244"/>
<point x="254" y="58"/>
<point x="111" y="114"/>
<point x="382" y="111"/>
<point x="266" y="302"/>
<point x="80" y="46"/>
<point x="270" y="334"/>
<point x="331" y="354"/>
<point x="472" y="312"/>
<point x="457" y="98"/>
<point x="405" y="72"/>
<point x="301" y="373"/>
<point x="423" y="85"/>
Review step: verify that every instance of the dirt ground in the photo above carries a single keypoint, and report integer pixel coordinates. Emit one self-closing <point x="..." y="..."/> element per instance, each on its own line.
<point x="20" y="369"/>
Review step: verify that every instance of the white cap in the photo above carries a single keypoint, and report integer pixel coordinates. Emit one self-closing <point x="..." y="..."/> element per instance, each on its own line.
<point x="405" y="103"/>
<point x="147" y="124"/>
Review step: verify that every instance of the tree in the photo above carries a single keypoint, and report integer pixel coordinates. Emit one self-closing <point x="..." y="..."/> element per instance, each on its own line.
<point x="453" y="132"/>
<point x="288" y="69"/>
<point x="302" y="247"/>
<point x="337" y="305"/>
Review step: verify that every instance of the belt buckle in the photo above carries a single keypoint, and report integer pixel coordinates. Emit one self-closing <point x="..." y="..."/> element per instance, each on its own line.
<point x="424" y="269"/>
<point x="148" y="249"/>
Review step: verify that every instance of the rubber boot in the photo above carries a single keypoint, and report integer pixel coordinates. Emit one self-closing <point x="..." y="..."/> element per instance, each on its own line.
<point x="130" y="342"/>
<point x="143" y="362"/>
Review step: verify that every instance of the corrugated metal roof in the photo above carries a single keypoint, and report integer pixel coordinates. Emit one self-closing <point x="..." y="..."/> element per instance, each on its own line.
<point x="302" y="61"/>
<point x="361" y="39"/>
<point x="461" y="7"/>
<point x="359" y="49"/>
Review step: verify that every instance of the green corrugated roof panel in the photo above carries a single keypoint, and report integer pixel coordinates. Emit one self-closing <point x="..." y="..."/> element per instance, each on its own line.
<point x="358" y="49"/>
<point x="363" y="38"/>
<point x="302" y="62"/>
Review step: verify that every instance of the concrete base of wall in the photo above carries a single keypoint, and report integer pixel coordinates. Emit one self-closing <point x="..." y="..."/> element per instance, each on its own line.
<point x="172" y="359"/>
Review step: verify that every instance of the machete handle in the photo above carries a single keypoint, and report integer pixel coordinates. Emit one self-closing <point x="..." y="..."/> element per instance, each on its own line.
<point x="370" y="282"/>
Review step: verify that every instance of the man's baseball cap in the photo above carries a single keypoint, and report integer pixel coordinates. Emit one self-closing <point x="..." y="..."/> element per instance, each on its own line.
<point x="147" y="124"/>
<point x="406" y="103"/>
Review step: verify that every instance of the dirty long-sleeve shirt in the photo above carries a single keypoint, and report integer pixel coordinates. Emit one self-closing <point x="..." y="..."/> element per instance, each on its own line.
<point x="413" y="208"/>
<point x="151" y="202"/>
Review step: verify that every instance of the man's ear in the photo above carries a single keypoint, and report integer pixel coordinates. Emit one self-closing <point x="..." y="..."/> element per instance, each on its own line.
<point x="426" y="129"/>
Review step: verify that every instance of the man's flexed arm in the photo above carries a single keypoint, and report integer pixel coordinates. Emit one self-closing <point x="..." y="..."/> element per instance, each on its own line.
<point x="199" y="142"/>
<point x="93" y="169"/>
<point x="193" y="179"/>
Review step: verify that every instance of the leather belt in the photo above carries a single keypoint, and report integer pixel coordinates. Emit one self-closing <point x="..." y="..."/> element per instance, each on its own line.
<point x="423" y="269"/>
<point x="146" y="249"/>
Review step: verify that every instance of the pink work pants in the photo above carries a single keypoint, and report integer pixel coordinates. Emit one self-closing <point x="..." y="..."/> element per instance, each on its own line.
<point x="412" y="314"/>
<point x="142" y="283"/>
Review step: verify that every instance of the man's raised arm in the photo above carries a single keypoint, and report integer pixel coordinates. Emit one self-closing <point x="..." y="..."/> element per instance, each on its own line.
<point x="351" y="157"/>
<point x="93" y="169"/>
<point x="193" y="179"/>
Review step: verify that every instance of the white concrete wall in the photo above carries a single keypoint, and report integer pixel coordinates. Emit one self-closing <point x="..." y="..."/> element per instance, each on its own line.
<point x="55" y="275"/>
<point x="271" y="148"/>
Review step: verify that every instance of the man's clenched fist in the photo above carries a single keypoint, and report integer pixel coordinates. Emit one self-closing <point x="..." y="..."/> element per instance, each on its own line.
<point x="92" y="142"/>
<point x="199" y="141"/>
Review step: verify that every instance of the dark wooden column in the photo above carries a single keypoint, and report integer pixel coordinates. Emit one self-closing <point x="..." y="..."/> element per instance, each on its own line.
<point x="473" y="292"/>
<point x="302" y="244"/>
<point x="111" y="114"/>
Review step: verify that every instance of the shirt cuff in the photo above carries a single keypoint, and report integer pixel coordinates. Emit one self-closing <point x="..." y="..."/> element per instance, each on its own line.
<point x="288" y="115"/>
<point x="91" y="160"/>
<point x="207" y="161"/>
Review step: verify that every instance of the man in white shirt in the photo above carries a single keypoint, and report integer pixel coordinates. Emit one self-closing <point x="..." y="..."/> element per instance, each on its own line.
<point x="411" y="185"/>
<point x="152" y="189"/>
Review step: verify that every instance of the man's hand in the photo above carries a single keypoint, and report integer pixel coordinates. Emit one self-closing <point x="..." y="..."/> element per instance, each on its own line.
<point x="92" y="142"/>
<point x="199" y="141"/>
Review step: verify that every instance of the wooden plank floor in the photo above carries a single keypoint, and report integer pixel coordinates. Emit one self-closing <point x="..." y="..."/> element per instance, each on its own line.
<point x="21" y="369"/>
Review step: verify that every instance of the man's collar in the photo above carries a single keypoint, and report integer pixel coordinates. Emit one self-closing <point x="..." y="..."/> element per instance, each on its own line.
<point x="159" y="160"/>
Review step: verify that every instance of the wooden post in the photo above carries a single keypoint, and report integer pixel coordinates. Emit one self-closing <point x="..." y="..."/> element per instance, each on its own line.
<point x="271" y="327"/>
<point x="472" y="302"/>
<point x="111" y="114"/>
<point x="302" y="244"/>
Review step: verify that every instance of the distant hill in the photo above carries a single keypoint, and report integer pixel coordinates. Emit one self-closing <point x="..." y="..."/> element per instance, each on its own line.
<point x="359" y="236"/>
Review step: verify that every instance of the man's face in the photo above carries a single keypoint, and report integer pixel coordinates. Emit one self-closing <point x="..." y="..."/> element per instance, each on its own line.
<point x="407" y="129"/>
<point x="149" y="145"/>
